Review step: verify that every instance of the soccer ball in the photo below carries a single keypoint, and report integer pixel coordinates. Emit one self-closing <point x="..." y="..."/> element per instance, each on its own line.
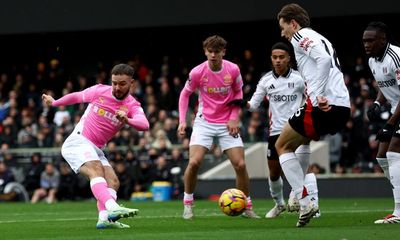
<point x="232" y="202"/>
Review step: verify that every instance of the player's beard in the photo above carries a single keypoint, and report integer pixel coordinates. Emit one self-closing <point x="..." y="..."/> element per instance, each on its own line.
<point x="121" y="96"/>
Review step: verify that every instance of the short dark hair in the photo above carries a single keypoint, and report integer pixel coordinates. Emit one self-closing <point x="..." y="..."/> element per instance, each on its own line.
<point x="215" y="43"/>
<point x="382" y="28"/>
<point x="294" y="11"/>
<point x="281" y="45"/>
<point x="123" y="69"/>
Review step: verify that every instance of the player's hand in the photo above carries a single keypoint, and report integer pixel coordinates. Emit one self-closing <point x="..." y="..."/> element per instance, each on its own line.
<point x="386" y="133"/>
<point x="233" y="128"/>
<point x="47" y="100"/>
<point x="323" y="103"/>
<point x="374" y="112"/>
<point x="121" y="116"/>
<point x="182" y="129"/>
<point x="237" y="102"/>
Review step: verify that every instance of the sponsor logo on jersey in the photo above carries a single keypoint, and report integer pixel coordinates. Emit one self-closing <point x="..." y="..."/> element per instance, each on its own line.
<point x="228" y="79"/>
<point x="221" y="90"/>
<point x="104" y="113"/>
<point x="305" y="43"/>
<point x="283" y="98"/>
<point x="387" y="83"/>
<point x="290" y="85"/>
<point x="384" y="70"/>
<point x="204" y="79"/>
<point x="271" y="87"/>
<point x="101" y="99"/>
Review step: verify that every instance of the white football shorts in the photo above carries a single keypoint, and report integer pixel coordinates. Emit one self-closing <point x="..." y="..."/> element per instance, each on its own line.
<point x="77" y="150"/>
<point x="204" y="133"/>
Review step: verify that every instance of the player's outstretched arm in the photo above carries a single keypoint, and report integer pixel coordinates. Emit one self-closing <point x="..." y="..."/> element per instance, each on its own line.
<point x="71" y="98"/>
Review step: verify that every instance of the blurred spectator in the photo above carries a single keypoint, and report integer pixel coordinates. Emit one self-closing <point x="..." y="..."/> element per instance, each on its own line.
<point x="8" y="137"/>
<point x="6" y="176"/>
<point x="316" y="168"/>
<point x="34" y="170"/>
<point x="335" y="149"/>
<point x="68" y="183"/>
<point x="61" y="116"/>
<point x="125" y="178"/>
<point x="162" y="143"/>
<point x="49" y="182"/>
<point x="161" y="170"/>
<point x="9" y="189"/>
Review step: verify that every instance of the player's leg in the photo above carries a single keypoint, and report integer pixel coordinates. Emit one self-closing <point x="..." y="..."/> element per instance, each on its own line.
<point x="303" y="154"/>
<point x="275" y="181"/>
<point x="200" y="143"/>
<point x="393" y="158"/>
<point x="275" y="188"/>
<point x="236" y="156"/>
<point x="287" y="143"/>
<point x="84" y="157"/>
<point x="196" y="156"/>
<point x="107" y="220"/>
<point x="381" y="157"/>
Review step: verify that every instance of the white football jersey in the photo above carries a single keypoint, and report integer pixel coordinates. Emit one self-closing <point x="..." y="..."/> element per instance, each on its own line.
<point x="285" y="95"/>
<point x="386" y="71"/>
<point x="319" y="66"/>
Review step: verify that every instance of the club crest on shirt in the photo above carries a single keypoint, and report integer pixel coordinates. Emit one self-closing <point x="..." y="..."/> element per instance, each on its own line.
<point x="228" y="79"/>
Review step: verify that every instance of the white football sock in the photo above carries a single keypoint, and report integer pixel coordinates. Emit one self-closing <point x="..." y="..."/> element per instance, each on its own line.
<point x="103" y="215"/>
<point x="383" y="162"/>
<point x="303" y="155"/>
<point x="394" y="171"/>
<point x="113" y="193"/>
<point x="310" y="181"/>
<point x="294" y="174"/>
<point x="188" y="198"/>
<point x="276" y="191"/>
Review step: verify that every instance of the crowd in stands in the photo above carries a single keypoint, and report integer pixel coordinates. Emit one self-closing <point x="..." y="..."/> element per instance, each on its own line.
<point x="140" y="158"/>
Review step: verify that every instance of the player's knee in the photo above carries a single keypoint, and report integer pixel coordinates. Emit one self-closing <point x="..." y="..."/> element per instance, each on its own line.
<point x="239" y="166"/>
<point x="194" y="164"/>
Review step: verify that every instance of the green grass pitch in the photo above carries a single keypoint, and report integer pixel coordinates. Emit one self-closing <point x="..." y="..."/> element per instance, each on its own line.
<point x="342" y="219"/>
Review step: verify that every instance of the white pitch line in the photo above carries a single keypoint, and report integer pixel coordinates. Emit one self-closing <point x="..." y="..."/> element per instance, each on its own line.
<point x="178" y="216"/>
